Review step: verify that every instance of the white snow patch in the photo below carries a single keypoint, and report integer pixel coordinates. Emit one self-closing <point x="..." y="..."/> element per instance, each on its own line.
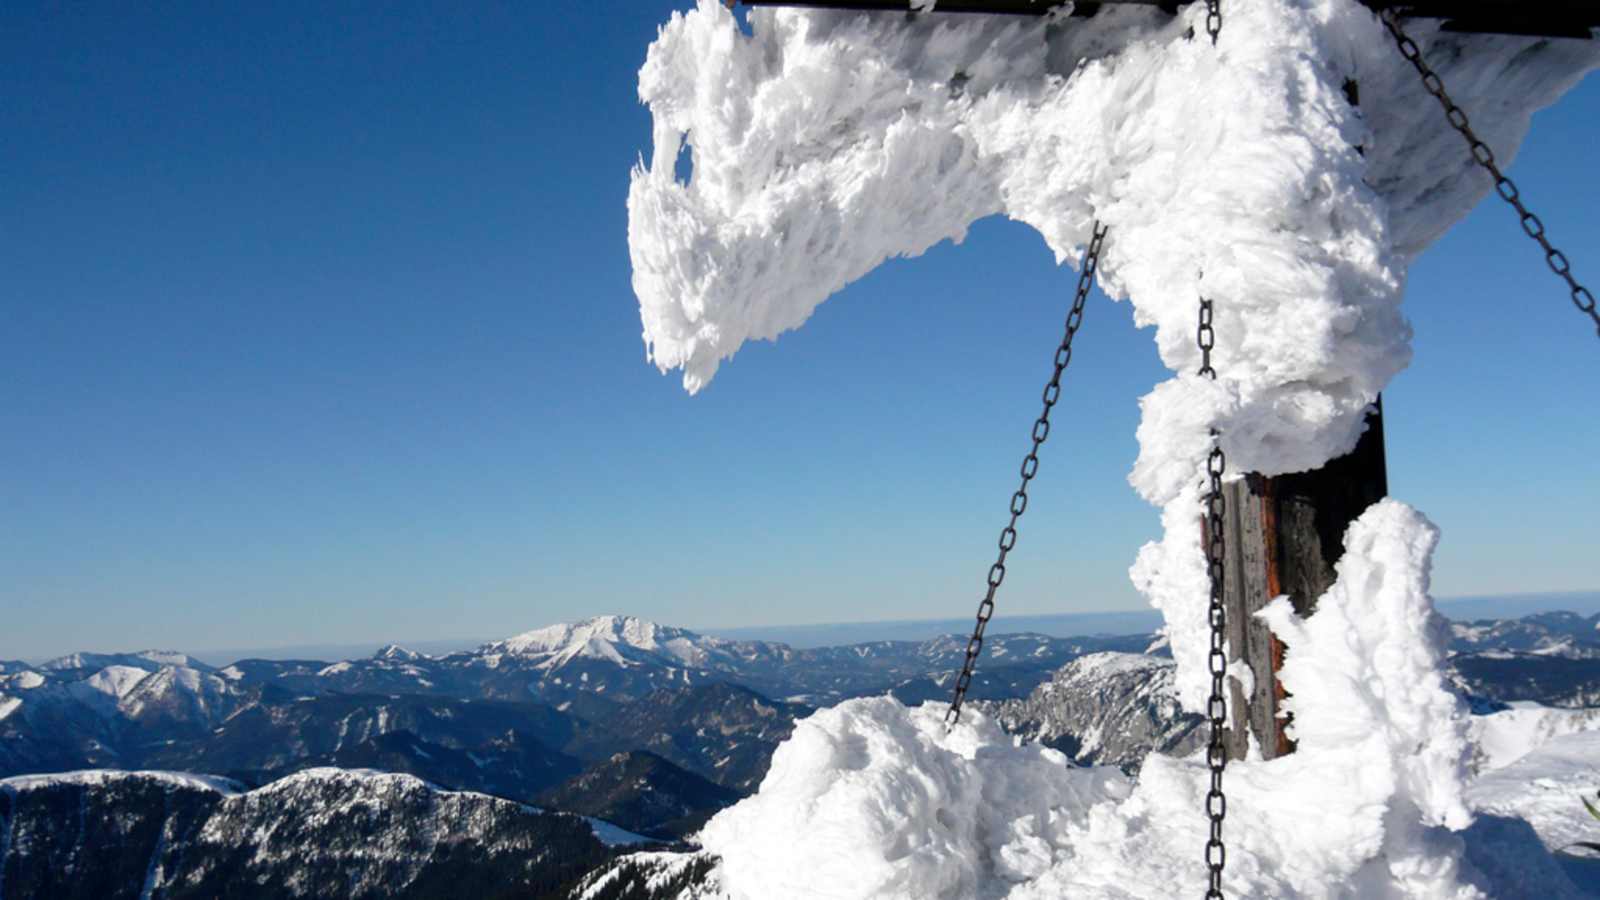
<point x="1504" y="737"/>
<point x="1545" y="788"/>
<point x="615" y="836"/>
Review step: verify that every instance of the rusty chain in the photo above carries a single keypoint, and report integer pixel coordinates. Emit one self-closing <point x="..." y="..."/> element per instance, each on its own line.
<point x="1483" y="156"/>
<point x="1216" y="547"/>
<point x="1030" y="467"/>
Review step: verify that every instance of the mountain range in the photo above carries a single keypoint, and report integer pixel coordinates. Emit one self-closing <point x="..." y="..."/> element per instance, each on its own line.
<point x="649" y="727"/>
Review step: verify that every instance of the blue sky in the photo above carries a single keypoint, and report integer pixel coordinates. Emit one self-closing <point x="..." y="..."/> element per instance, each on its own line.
<point x="318" y="328"/>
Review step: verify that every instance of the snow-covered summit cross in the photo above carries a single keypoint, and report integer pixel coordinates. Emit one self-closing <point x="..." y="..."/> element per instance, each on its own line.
<point x="826" y="142"/>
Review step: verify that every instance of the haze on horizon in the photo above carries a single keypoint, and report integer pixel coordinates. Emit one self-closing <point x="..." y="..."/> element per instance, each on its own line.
<point x="322" y="334"/>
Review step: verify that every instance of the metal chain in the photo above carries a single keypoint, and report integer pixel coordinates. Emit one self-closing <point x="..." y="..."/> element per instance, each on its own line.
<point x="1214" y="19"/>
<point x="1216" y="547"/>
<point x="1030" y="467"/>
<point x="1505" y="187"/>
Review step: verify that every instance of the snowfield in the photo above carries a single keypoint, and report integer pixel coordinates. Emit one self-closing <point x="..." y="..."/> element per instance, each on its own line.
<point x="824" y="144"/>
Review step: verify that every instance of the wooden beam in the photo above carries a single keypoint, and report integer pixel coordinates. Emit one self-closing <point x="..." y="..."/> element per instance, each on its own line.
<point x="1284" y="535"/>
<point x="1542" y="18"/>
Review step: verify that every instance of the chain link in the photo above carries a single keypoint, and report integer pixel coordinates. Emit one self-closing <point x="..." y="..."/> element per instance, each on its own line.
<point x="1030" y="467"/>
<point x="1214" y="19"/>
<point x="1216" y="548"/>
<point x="1483" y="156"/>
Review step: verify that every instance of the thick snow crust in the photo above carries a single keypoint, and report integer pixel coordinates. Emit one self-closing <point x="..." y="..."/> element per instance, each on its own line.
<point x="871" y="799"/>
<point x="824" y="144"/>
<point x="1504" y="737"/>
<point x="1544" y="789"/>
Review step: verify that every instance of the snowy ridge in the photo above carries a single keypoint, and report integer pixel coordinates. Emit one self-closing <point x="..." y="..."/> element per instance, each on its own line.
<point x="651" y="874"/>
<point x="395" y="651"/>
<point x="1502" y="738"/>
<point x="1563" y="634"/>
<point x="175" y="690"/>
<point x="596" y="637"/>
<point x="148" y="660"/>
<point x="624" y="641"/>
<point x="363" y="785"/>
<point x="95" y="777"/>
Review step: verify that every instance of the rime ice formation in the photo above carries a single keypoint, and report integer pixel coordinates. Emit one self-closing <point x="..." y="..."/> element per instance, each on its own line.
<point x="825" y="143"/>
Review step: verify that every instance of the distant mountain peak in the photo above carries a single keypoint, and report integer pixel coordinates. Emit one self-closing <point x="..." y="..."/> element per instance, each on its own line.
<point x="625" y="630"/>
<point x="395" y="651"/>
<point x="623" y="640"/>
<point x="149" y="660"/>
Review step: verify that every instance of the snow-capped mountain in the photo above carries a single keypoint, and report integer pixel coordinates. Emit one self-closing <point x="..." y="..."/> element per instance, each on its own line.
<point x="148" y="660"/>
<point x="1545" y="634"/>
<point x="319" y="833"/>
<point x="622" y="656"/>
<point x="69" y="717"/>
<point x="167" y="694"/>
<point x="626" y="640"/>
<point x="625" y="658"/>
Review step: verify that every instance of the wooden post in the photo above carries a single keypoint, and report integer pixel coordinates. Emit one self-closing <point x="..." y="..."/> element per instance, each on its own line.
<point x="1284" y="535"/>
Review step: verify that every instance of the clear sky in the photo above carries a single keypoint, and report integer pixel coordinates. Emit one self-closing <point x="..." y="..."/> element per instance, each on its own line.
<point x="317" y="327"/>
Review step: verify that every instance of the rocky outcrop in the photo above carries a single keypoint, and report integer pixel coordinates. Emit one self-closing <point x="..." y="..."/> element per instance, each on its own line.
<point x="1108" y="709"/>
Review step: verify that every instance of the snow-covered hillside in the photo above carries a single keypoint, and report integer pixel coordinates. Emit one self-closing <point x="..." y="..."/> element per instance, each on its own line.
<point x="1544" y="634"/>
<point x="319" y="833"/>
<point x="148" y="660"/>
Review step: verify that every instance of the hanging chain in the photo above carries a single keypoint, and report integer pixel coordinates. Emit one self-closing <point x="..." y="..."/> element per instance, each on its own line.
<point x="1214" y="19"/>
<point x="1216" y="706"/>
<point x="1505" y="187"/>
<point x="1030" y="467"/>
